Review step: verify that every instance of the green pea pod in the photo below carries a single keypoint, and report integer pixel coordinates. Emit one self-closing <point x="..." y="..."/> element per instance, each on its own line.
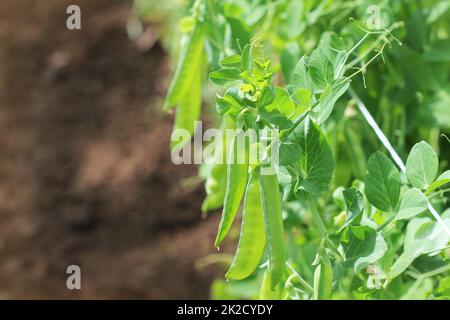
<point x="323" y="279"/>
<point x="188" y="110"/>
<point x="217" y="178"/>
<point x="188" y="66"/>
<point x="266" y="292"/>
<point x="237" y="174"/>
<point x="253" y="238"/>
<point x="214" y="188"/>
<point x="273" y="218"/>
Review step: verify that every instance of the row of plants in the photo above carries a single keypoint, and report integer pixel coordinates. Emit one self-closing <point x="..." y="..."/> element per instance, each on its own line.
<point x="359" y="94"/>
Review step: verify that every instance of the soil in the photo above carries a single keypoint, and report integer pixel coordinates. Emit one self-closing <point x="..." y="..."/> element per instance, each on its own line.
<point x="85" y="170"/>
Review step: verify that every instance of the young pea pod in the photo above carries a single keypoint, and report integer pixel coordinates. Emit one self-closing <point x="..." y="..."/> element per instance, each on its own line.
<point x="214" y="188"/>
<point x="253" y="238"/>
<point x="266" y="292"/>
<point x="237" y="174"/>
<point x="271" y="203"/>
<point x="323" y="277"/>
<point x="188" y="111"/>
<point x="189" y="64"/>
<point x="217" y="177"/>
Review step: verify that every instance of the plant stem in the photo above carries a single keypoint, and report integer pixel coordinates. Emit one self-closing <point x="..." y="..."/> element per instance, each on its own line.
<point x="302" y="281"/>
<point x="321" y="226"/>
<point x="316" y="217"/>
<point x="386" y="222"/>
<point x="428" y="274"/>
<point x="381" y="37"/>
<point x="297" y="122"/>
<point x="438" y="193"/>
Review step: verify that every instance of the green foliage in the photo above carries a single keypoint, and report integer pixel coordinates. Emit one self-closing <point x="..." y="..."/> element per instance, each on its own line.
<point x="362" y="246"/>
<point x="377" y="232"/>
<point x="422" y="165"/>
<point x="382" y="182"/>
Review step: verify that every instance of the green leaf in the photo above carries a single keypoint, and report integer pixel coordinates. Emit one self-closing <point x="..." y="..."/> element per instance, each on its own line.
<point x="440" y="181"/>
<point x="301" y="77"/>
<point x="224" y="75"/>
<point x="413" y="203"/>
<point x="320" y="68"/>
<point x="233" y="61"/>
<point x="423" y="235"/>
<point x="281" y="102"/>
<point x="354" y="203"/>
<point x="230" y="103"/>
<point x="286" y="179"/>
<point x="290" y="153"/>
<point x="316" y="160"/>
<point x="333" y="48"/>
<point x="328" y="99"/>
<point x="302" y="97"/>
<point x="189" y="64"/>
<point x="267" y="97"/>
<point x="363" y="247"/>
<point x="382" y="182"/>
<point x="422" y="165"/>
<point x="327" y="61"/>
<point x="339" y="63"/>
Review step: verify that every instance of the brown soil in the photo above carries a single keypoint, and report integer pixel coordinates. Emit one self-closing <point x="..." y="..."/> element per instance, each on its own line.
<point x="85" y="171"/>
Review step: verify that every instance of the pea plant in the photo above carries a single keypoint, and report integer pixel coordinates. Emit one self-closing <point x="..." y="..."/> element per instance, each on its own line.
<point x="355" y="95"/>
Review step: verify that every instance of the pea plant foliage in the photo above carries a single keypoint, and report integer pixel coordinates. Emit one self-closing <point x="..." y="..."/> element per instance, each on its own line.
<point x="355" y="98"/>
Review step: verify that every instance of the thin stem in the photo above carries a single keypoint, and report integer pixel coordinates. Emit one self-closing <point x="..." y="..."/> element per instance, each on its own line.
<point x="380" y="38"/>
<point x="321" y="226"/>
<point x="428" y="274"/>
<point x="302" y="281"/>
<point x="316" y="217"/>
<point x="297" y="122"/>
<point x="386" y="223"/>
<point x="363" y="67"/>
<point x="438" y="193"/>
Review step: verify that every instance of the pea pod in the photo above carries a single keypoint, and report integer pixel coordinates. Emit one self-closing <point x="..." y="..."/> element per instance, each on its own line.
<point x="189" y="64"/>
<point x="323" y="278"/>
<point x="217" y="177"/>
<point x="188" y="110"/>
<point x="214" y="188"/>
<point x="266" y="292"/>
<point x="271" y="203"/>
<point x="253" y="238"/>
<point x="237" y="174"/>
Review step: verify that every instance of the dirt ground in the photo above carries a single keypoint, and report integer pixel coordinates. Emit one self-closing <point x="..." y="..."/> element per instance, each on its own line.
<point x="85" y="171"/>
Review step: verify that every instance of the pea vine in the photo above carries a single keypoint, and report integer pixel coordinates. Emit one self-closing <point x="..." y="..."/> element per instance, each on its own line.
<point x="338" y="217"/>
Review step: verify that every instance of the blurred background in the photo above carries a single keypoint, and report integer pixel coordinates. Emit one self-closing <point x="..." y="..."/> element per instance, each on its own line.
<point x="85" y="170"/>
